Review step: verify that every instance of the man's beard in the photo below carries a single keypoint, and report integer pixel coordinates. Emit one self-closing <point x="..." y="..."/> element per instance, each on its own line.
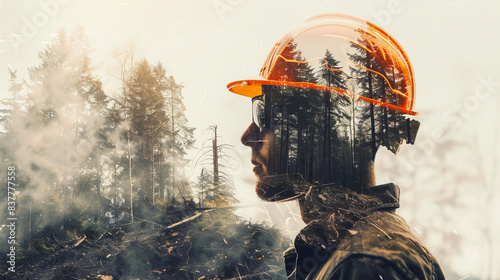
<point x="281" y="188"/>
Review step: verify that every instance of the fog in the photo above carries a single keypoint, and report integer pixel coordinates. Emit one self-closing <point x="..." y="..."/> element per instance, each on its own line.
<point x="448" y="179"/>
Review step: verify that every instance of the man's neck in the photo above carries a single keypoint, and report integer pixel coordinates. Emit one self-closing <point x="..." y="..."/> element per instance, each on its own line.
<point x="314" y="207"/>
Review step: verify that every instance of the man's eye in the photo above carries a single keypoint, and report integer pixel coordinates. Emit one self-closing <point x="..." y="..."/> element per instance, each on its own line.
<point x="258" y="113"/>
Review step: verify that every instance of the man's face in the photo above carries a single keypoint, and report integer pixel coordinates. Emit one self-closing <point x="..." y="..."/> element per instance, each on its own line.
<point x="260" y="142"/>
<point x="261" y="138"/>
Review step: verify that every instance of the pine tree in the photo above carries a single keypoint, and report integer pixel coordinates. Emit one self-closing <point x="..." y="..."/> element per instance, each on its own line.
<point x="53" y="136"/>
<point x="159" y="132"/>
<point x="179" y="139"/>
<point x="120" y="118"/>
<point x="10" y="117"/>
<point x="145" y="108"/>
<point x="12" y="106"/>
<point x="216" y="188"/>
<point x="66" y="108"/>
<point x="335" y="118"/>
<point x="379" y="81"/>
<point x="202" y="186"/>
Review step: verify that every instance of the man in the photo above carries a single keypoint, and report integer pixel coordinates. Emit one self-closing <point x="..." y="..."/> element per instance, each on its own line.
<point x="332" y="92"/>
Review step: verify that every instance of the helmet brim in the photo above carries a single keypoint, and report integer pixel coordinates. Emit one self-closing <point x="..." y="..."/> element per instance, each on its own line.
<point x="252" y="88"/>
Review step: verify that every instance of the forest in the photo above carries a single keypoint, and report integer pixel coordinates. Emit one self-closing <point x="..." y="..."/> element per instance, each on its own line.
<point x="79" y="148"/>
<point x="88" y="162"/>
<point x="331" y="128"/>
<point x="97" y="172"/>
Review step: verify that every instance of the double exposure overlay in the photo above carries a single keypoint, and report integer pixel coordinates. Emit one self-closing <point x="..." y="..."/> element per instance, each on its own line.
<point x="329" y="109"/>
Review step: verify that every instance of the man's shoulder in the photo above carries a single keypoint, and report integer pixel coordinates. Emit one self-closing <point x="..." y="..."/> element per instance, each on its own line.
<point x="381" y="232"/>
<point x="381" y="241"/>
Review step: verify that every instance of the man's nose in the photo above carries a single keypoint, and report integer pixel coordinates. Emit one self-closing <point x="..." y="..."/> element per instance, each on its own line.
<point x="250" y="137"/>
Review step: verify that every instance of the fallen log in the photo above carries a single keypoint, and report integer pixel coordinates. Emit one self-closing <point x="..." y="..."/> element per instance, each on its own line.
<point x="80" y="241"/>
<point x="185" y="221"/>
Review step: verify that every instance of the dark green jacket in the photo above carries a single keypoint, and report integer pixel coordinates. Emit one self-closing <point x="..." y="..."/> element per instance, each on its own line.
<point x="376" y="244"/>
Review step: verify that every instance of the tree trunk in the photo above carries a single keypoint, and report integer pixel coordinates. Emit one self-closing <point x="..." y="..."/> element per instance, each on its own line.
<point x="130" y="174"/>
<point x="161" y="183"/>
<point x="152" y="168"/>
<point x="98" y="185"/>
<point x="215" y="157"/>
<point x="173" y="137"/>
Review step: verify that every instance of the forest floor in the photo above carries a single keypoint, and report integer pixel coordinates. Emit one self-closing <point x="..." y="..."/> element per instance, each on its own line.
<point x="211" y="244"/>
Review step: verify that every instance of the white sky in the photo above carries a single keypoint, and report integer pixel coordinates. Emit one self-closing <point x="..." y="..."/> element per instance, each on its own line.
<point x="453" y="45"/>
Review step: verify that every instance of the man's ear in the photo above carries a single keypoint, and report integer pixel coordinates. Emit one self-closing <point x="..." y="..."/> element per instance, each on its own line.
<point x="411" y="128"/>
<point x="406" y="130"/>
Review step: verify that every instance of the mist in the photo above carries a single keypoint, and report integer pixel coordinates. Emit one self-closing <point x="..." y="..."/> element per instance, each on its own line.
<point x="448" y="180"/>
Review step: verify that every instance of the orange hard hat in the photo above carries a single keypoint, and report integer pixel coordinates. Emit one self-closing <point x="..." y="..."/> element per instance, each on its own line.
<point x="354" y="48"/>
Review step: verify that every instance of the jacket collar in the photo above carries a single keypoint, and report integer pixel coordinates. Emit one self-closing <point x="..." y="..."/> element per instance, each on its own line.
<point x="336" y="210"/>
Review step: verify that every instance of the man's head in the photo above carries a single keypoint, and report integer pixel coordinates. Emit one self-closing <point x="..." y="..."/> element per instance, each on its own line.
<point x="332" y="92"/>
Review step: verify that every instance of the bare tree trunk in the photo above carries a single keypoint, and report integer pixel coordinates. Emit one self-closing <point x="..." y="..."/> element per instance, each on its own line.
<point x="29" y="229"/>
<point x="130" y="178"/>
<point x="202" y="188"/>
<point x="98" y="185"/>
<point x="115" y="205"/>
<point x="152" y="167"/>
<point x="161" y="184"/>
<point x="215" y="157"/>
<point x="372" y="114"/>
<point x="172" y="116"/>
<point x="125" y="58"/>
